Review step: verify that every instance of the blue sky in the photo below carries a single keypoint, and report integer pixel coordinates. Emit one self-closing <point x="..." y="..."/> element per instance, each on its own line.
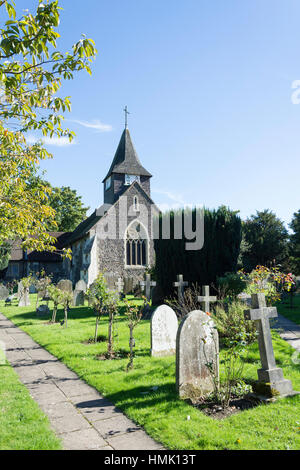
<point x="208" y="84"/>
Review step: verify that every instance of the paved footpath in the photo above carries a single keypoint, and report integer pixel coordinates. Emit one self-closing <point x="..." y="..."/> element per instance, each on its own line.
<point x="77" y="412"/>
<point x="289" y="331"/>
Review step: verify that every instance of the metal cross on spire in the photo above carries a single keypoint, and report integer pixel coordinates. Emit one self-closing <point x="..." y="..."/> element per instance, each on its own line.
<point x="126" y="114"/>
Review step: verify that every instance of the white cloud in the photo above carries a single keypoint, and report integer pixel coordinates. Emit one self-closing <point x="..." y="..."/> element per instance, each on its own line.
<point x="55" y="141"/>
<point x="95" y="124"/>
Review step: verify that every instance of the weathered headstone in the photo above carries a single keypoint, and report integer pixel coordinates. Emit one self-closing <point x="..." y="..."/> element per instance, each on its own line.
<point x="120" y="285"/>
<point x="180" y="284"/>
<point x="270" y="378"/>
<point x="128" y="285"/>
<point x="197" y="345"/>
<point x="78" y="298"/>
<point x="164" y="326"/>
<point x="65" y="285"/>
<point x="4" y="292"/>
<point x="24" y="300"/>
<point x="205" y="299"/>
<point x="81" y="285"/>
<point x="147" y="284"/>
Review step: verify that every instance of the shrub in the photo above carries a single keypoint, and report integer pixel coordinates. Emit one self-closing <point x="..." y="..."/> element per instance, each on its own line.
<point x="230" y="285"/>
<point x="231" y="324"/>
<point x="222" y="238"/>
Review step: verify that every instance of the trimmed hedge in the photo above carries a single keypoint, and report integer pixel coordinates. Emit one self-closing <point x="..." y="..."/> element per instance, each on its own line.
<point x="219" y="254"/>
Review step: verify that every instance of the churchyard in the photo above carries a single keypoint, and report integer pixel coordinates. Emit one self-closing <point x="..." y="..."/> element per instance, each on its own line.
<point x="151" y="393"/>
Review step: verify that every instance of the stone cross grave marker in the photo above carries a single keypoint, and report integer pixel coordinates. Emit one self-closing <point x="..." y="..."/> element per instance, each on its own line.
<point x="197" y="344"/>
<point x="164" y="326"/>
<point x="270" y="377"/>
<point x="205" y="299"/>
<point x="147" y="284"/>
<point x="180" y="284"/>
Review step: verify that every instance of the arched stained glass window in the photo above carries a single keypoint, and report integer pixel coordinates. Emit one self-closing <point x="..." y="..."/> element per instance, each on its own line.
<point x="136" y="245"/>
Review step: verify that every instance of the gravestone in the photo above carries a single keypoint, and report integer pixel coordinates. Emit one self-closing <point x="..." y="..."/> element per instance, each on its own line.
<point x="180" y="284"/>
<point x="197" y="344"/>
<point x="205" y="299"/>
<point x="43" y="311"/>
<point x="270" y="377"/>
<point x="81" y="285"/>
<point x="4" y="292"/>
<point x="65" y="285"/>
<point x="78" y="298"/>
<point x="24" y="300"/>
<point x="128" y="285"/>
<point x="147" y="285"/>
<point x="164" y="326"/>
<point x="119" y="285"/>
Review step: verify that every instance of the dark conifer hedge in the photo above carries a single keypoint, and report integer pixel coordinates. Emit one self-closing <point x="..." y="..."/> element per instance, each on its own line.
<point x="219" y="254"/>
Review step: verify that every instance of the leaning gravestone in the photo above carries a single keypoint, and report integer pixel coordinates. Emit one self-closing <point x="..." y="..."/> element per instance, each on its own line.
<point x="197" y="344"/>
<point x="164" y="326"/>
<point x="4" y="292"/>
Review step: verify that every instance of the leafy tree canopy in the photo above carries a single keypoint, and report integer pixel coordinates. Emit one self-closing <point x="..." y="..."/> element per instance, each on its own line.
<point x="69" y="210"/>
<point x="295" y="242"/>
<point x="265" y="239"/>
<point x="32" y="70"/>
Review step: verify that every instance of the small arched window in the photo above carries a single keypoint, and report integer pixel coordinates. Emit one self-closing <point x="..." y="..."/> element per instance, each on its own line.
<point x="136" y="245"/>
<point x="135" y="204"/>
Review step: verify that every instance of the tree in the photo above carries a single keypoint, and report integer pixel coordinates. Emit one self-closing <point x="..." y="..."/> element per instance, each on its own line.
<point x="69" y="210"/>
<point x="266" y="240"/>
<point x="295" y="243"/>
<point x="219" y="254"/>
<point x="55" y="295"/>
<point x="103" y="301"/>
<point x="31" y="73"/>
<point x="5" y="250"/>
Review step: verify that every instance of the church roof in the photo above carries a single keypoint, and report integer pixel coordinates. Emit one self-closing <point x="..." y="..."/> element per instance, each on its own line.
<point x="126" y="159"/>
<point x="83" y="228"/>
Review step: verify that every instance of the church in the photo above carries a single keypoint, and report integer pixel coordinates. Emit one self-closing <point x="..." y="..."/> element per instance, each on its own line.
<point x="116" y="239"/>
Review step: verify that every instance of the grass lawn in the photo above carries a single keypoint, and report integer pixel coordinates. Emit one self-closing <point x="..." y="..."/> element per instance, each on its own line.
<point x="292" y="313"/>
<point x="159" y="411"/>
<point x="23" y="426"/>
